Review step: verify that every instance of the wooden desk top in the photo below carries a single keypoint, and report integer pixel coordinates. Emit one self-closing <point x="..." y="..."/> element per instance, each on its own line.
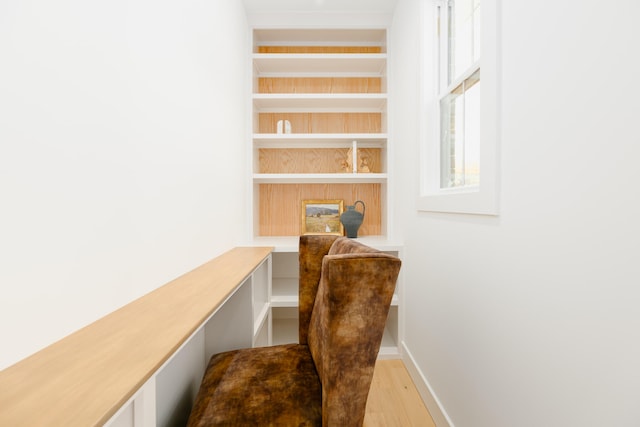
<point x="83" y="379"/>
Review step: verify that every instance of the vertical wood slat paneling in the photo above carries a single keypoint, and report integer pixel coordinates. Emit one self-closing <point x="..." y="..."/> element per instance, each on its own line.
<point x="322" y="122"/>
<point x="280" y="205"/>
<point x="319" y="85"/>
<point x="302" y="160"/>
<point x="315" y="160"/>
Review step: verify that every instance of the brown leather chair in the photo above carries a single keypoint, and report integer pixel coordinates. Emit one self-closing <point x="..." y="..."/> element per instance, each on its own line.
<point x="344" y="297"/>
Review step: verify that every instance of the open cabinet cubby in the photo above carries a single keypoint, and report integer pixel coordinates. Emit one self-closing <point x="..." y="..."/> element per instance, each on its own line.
<point x="284" y="305"/>
<point x="281" y="207"/>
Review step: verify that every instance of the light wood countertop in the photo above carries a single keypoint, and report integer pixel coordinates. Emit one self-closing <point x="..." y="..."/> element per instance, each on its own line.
<point x="83" y="379"/>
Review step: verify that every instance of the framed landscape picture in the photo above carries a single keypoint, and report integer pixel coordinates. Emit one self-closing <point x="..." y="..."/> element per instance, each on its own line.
<point x="322" y="217"/>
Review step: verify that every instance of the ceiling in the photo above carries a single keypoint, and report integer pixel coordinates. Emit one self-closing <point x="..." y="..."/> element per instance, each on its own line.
<point x="369" y="6"/>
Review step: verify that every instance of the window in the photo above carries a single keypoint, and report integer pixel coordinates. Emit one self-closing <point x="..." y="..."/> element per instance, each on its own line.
<point x="460" y="134"/>
<point x="459" y="161"/>
<point x="459" y="45"/>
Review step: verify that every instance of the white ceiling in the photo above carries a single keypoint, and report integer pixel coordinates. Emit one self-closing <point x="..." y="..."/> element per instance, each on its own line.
<point x="370" y="6"/>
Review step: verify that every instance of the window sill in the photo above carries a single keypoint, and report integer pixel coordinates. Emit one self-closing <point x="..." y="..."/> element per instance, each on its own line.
<point x="470" y="200"/>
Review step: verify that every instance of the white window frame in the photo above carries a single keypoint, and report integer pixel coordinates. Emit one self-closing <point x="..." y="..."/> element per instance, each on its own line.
<point x="483" y="198"/>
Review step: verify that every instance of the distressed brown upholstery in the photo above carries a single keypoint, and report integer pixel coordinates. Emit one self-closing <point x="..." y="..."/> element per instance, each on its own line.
<point x="344" y="297"/>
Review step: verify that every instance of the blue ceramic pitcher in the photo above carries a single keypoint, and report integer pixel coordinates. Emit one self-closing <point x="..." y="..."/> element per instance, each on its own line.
<point x="352" y="219"/>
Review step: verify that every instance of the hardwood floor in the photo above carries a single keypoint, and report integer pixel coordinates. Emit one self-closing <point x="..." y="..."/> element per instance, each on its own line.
<point x="394" y="400"/>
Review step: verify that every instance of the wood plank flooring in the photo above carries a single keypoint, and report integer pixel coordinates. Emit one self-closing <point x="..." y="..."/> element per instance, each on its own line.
<point x="394" y="400"/>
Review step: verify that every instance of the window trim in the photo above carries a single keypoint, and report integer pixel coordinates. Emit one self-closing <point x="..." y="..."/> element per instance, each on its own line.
<point x="483" y="198"/>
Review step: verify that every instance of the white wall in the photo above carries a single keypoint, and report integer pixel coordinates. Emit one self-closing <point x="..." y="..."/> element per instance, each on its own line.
<point x="531" y="318"/>
<point x="119" y="121"/>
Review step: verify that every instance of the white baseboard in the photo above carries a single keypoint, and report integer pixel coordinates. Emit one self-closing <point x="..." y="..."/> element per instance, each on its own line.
<point x="439" y="415"/>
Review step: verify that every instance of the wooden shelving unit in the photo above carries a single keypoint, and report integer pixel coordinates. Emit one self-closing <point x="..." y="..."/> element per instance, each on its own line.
<point x="329" y="86"/>
<point x="319" y="131"/>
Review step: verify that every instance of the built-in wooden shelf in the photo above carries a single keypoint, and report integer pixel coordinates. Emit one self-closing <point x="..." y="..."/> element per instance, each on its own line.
<point x="318" y="102"/>
<point x="317" y="140"/>
<point x="280" y="209"/>
<point x="309" y="65"/>
<point x="87" y="377"/>
<point x="319" y="121"/>
<point x="337" y="85"/>
<point x="324" y="160"/>
<point x="319" y="178"/>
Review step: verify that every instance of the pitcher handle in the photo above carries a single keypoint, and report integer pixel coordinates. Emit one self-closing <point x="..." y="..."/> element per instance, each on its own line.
<point x="363" y="207"/>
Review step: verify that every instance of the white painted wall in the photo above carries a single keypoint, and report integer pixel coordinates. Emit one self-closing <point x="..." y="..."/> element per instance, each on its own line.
<point x="531" y="318"/>
<point x="119" y="121"/>
<point x="122" y="135"/>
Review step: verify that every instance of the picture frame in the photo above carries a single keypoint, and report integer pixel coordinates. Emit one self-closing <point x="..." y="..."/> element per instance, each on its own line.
<point x="322" y="217"/>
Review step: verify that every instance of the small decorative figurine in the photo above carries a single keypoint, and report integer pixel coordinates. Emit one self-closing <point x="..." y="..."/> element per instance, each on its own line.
<point x="283" y="126"/>
<point x="364" y="165"/>
<point x="347" y="164"/>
